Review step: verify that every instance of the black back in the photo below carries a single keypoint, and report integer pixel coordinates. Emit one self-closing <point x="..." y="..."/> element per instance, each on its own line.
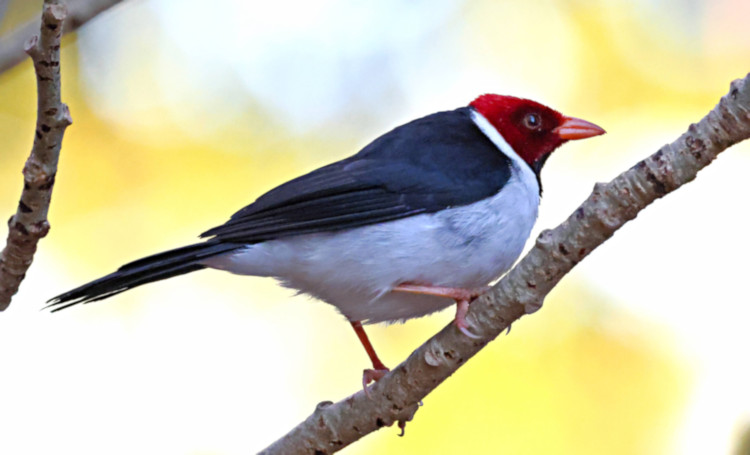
<point x="432" y="163"/>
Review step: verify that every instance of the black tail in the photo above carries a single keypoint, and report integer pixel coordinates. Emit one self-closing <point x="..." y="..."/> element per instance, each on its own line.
<point x="147" y="270"/>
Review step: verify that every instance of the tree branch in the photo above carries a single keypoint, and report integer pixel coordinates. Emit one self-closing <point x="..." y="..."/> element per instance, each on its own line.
<point x="30" y="224"/>
<point x="394" y="398"/>
<point x="12" y="50"/>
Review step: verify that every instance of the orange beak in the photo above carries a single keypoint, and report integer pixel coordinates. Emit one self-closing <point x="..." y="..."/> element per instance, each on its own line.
<point x="574" y="128"/>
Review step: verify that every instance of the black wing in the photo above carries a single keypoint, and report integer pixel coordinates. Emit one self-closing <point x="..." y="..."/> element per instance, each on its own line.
<point x="439" y="161"/>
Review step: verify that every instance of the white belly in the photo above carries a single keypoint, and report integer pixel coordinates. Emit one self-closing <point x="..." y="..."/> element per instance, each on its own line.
<point x="356" y="269"/>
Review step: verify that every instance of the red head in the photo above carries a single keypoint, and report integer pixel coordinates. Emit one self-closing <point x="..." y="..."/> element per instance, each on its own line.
<point x="533" y="130"/>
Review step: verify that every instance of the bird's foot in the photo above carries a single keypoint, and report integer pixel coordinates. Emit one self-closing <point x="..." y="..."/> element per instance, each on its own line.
<point x="463" y="298"/>
<point x="378" y="370"/>
<point x="372" y="375"/>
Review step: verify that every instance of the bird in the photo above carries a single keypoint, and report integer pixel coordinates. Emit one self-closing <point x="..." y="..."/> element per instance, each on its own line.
<point x="428" y="214"/>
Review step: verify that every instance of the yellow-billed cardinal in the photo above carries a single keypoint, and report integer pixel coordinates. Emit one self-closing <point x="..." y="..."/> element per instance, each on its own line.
<point x="426" y="214"/>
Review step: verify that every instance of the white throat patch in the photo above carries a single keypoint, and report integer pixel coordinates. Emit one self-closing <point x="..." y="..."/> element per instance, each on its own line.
<point x="494" y="135"/>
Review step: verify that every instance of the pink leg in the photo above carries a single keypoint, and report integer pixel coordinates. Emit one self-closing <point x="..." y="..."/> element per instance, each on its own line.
<point x="378" y="369"/>
<point x="463" y="298"/>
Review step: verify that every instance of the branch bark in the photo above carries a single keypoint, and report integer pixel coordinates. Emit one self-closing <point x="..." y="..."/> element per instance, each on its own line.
<point x="30" y="224"/>
<point x="12" y="50"/>
<point x="333" y="426"/>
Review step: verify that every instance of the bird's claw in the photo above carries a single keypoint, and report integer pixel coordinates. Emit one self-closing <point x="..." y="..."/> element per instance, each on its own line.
<point x="402" y="425"/>
<point x="465" y="330"/>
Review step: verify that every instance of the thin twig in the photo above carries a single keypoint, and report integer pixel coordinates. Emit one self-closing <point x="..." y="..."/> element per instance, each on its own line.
<point x="79" y="12"/>
<point x="394" y="398"/>
<point x="30" y="224"/>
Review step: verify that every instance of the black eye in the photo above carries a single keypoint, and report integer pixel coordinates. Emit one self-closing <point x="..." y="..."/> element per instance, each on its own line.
<point x="532" y="121"/>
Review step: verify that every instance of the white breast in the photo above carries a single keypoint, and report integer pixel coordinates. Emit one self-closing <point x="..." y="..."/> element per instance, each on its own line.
<point x="356" y="269"/>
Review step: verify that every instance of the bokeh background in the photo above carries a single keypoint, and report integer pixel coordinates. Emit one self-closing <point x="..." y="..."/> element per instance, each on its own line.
<point x="185" y="111"/>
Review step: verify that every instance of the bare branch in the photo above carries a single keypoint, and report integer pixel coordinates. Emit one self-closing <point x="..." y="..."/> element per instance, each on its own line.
<point x="394" y="398"/>
<point x="30" y="224"/>
<point x="79" y="12"/>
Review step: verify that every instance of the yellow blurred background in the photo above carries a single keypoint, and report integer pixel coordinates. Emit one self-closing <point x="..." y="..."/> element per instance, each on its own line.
<point x="186" y="111"/>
